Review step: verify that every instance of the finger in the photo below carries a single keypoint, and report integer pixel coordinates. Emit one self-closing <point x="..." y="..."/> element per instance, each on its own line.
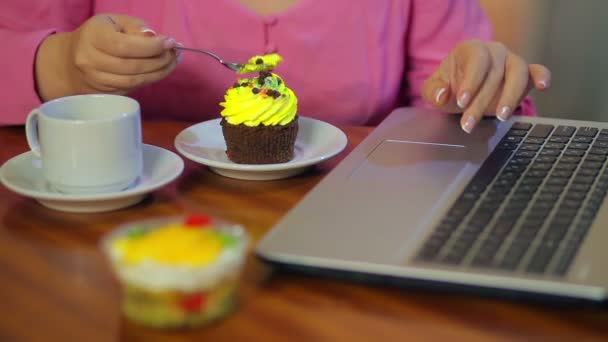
<point x="540" y="75"/>
<point x="129" y="66"/>
<point x="119" y="44"/>
<point x="134" y="26"/>
<point x="473" y="61"/>
<point x="515" y="86"/>
<point x="488" y="90"/>
<point x="129" y="82"/>
<point x="436" y="92"/>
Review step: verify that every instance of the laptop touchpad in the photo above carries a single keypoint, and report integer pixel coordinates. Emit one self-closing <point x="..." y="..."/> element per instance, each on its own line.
<point x="408" y="179"/>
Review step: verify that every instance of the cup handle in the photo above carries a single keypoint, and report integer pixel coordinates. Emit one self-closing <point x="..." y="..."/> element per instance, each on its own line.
<point x="31" y="132"/>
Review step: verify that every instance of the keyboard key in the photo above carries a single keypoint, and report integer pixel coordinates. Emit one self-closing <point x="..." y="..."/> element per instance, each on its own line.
<point x="574" y="152"/>
<point x="529" y="147"/>
<point x="548" y="196"/>
<point x="507" y="145"/>
<point x="546" y="159"/>
<point x="540" y="259"/>
<point x="521" y="161"/>
<point x="525" y="154"/>
<point x="558" y="146"/>
<point x="578" y="146"/>
<point x="565" y="260"/>
<point x="564" y="131"/>
<point x="533" y="140"/>
<point x="534" y="181"/>
<point x="602" y="138"/>
<point x="565" y="166"/>
<point x="550" y="152"/>
<point x="541" y="131"/>
<point x="513" y="139"/>
<point x="592" y="165"/>
<point x="521" y="126"/>
<point x="562" y="173"/>
<point x="541" y="166"/>
<point x="595" y="157"/>
<point x="491" y="166"/>
<point x="559" y="139"/>
<point x="537" y="174"/>
<point x="574" y="195"/>
<point x="515" y="168"/>
<point x="557" y="181"/>
<point x="570" y="159"/>
<point x="580" y="187"/>
<point x="517" y="133"/>
<point x="580" y="139"/>
<point x="583" y="180"/>
<point x="601" y="144"/>
<point x="587" y="172"/>
<point x="598" y="150"/>
<point x="587" y="131"/>
<point x="555" y="189"/>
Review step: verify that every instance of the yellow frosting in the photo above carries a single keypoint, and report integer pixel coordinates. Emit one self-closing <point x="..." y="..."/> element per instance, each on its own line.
<point x="172" y="245"/>
<point x="252" y="104"/>
<point x="261" y="63"/>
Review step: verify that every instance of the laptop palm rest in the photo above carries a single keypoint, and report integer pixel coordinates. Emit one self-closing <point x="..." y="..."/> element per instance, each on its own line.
<point x="397" y="180"/>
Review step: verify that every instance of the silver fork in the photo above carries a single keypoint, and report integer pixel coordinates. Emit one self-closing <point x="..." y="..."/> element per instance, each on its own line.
<point x="230" y="65"/>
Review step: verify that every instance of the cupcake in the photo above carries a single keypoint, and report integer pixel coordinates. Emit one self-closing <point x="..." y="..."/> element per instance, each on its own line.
<point x="259" y="119"/>
<point x="177" y="272"/>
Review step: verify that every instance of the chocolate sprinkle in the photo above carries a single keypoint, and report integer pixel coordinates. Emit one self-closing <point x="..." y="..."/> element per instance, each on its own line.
<point x="259" y="61"/>
<point x="236" y="85"/>
<point x="264" y="74"/>
<point x="255" y="90"/>
<point x="245" y="84"/>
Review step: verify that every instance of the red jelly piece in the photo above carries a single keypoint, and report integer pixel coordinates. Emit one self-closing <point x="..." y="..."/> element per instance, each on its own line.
<point x="193" y="302"/>
<point x="197" y="221"/>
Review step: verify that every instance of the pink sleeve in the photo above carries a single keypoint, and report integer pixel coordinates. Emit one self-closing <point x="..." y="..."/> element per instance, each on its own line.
<point x="24" y="24"/>
<point x="436" y="27"/>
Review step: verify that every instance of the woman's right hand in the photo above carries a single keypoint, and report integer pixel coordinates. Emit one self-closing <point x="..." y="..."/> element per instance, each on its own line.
<point x="103" y="56"/>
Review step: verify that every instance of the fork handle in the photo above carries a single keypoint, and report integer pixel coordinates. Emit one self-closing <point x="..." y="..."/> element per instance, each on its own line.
<point x="200" y="51"/>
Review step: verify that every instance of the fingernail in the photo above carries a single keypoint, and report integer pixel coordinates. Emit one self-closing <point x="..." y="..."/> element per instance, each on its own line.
<point x="178" y="53"/>
<point x="469" y="124"/>
<point x="543" y="84"/>
<point x="463" y="100"/>
<point x="169" y="43"/>
<point x="438" y="94"/>
<point x="504" y="113"/>
<point x="148" y="32"/>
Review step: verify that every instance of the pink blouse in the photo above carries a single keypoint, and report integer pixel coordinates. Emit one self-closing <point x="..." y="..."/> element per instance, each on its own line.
<point x="349" y="62"/>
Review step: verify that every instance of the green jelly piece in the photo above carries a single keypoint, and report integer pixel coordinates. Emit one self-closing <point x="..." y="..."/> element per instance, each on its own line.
<point x="136" y="232"/>
<point x="228" y="240"/>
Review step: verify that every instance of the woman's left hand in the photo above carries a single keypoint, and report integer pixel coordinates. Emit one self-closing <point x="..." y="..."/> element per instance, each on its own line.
<point x="483" y="78"/>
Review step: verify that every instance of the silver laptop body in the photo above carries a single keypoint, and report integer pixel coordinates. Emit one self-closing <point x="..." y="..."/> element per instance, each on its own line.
<point x="375" y="211"/>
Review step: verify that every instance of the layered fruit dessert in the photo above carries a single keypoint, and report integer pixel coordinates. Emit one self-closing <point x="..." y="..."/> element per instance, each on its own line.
<point x="259" y="116"/>
<point x="177" y="272"/>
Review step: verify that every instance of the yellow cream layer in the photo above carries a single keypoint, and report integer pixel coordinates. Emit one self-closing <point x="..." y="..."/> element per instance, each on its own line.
<point x="264" y="100"/>
<point x="172" y="245"/>
<point x="261" y="63"/>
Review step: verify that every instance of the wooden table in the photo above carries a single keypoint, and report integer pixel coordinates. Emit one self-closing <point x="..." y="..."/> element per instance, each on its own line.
<point x="55" y="284"/>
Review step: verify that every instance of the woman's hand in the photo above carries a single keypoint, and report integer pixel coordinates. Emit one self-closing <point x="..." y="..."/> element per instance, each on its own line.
<point x="483" y="78"/>
<point x="103" y="55"/>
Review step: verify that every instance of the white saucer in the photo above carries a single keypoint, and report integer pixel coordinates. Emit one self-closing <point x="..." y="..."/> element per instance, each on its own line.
<point x="23" y="175"/>
<point x="204" y="143"/>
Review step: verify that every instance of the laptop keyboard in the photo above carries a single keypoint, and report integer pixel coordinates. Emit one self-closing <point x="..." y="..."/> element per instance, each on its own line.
<point x="530" y="205"/>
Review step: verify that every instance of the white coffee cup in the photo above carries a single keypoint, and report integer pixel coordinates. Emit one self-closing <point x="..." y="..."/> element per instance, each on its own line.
<point x="87" y="143"/>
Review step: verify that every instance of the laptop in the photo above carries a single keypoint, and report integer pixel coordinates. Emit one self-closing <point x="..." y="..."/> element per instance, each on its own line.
<point x="516" y="207"/>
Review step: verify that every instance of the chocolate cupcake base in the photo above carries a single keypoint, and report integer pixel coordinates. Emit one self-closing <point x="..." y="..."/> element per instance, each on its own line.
<point x="260" y="144"/>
